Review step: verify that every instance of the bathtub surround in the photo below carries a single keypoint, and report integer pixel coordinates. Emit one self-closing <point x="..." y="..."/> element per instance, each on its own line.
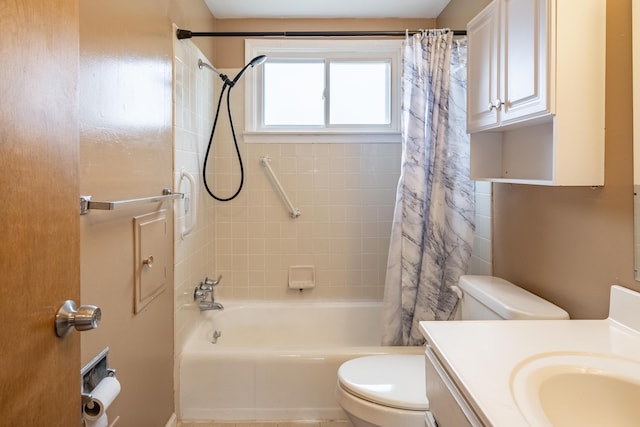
<point x="434" y="222"/>
<point x="193" y="103"/>
<point x="275" y="360"/>
<point x="345" y="192"/>
<point x="333" y="423"/>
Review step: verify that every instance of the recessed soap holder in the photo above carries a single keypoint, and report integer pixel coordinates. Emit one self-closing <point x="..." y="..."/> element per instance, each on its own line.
<point x="302" y="277"/>
<point x="94" y="372"/>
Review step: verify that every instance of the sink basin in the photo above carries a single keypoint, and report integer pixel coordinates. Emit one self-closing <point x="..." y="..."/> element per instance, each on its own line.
<point x="575" y="389"/>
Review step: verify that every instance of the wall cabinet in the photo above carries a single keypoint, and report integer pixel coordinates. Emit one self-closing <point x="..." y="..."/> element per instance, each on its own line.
<point x="536" y="89"/>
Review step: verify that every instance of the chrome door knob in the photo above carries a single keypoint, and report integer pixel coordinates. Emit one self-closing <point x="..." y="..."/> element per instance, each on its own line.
<point x="84" y="318"/>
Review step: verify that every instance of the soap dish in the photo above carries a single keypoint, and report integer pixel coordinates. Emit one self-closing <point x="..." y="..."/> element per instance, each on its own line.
<point x="302" y="276"/>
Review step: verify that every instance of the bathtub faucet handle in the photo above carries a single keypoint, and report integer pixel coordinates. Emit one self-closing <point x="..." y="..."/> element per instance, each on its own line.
<point x="211" y="282"/>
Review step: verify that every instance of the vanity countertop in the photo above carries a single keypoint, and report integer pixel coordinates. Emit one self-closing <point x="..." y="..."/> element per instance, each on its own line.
<point x="481" y="356"/>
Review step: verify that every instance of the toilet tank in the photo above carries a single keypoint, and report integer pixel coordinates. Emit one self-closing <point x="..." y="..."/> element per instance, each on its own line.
<point x="493" y="298"/>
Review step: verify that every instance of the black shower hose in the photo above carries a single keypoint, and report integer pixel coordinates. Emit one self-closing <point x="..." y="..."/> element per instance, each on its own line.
<point x="228" y="88"/>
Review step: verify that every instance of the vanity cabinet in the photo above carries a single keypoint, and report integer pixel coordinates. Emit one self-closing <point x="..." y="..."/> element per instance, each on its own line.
<point x="536" y="91"/>
<point x="447" y="404"/>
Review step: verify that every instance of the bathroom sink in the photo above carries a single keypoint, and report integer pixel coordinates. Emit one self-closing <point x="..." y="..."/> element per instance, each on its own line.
<point x="576" y="389"/>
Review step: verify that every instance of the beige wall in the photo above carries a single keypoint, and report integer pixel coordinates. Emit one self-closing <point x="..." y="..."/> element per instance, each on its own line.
<point x="459" y="12"/>
<point x="570" y="245"/>
<point x="126" y="152"/>
<point x="230" y="50"/>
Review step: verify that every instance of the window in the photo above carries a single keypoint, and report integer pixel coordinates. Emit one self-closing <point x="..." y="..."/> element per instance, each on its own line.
<point x="323" y="91"/>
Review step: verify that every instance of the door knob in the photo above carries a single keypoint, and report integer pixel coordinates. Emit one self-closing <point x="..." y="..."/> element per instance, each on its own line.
<point x="84" y="318"/>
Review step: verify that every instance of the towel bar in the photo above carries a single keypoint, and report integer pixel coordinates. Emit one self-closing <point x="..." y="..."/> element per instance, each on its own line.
<point x="86" y="204"/>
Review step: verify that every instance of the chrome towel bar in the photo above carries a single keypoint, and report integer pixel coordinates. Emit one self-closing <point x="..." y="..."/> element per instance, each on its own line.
<point x="86" y="204"/>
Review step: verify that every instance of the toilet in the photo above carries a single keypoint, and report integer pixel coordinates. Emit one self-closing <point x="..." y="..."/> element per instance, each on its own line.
<point x="389" y="390"/>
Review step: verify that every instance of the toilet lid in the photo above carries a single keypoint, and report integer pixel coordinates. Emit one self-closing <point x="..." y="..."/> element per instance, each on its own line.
<point x="394" y="380"/>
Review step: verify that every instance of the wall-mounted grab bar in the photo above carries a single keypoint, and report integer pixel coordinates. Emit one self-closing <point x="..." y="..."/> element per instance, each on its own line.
<point x="86" y="204"/>
<point x="190" y="202"/>
<point x="266" y="162"/>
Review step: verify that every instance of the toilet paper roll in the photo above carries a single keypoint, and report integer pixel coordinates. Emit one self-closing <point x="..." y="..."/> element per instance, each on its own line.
<point x="101" y="398"/>
<point x="103" y="421"/>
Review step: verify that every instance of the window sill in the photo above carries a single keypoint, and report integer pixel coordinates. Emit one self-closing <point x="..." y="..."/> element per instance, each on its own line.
<point x="321" y="137"/>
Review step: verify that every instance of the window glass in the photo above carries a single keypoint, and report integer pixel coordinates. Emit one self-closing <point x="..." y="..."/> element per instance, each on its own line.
<point x="323" y="91"/>
<point x="360" y="93"/>
<point x="294" y="93"/>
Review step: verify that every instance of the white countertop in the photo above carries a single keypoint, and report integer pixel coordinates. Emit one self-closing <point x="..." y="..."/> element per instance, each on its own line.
<point x="481" y="356"/>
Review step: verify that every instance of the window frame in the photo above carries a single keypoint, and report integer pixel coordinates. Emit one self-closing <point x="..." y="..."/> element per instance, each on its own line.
<point x="326" y="50"/>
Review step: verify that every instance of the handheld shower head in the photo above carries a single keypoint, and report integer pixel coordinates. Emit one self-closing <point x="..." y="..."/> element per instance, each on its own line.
<point x="258" y="60"/>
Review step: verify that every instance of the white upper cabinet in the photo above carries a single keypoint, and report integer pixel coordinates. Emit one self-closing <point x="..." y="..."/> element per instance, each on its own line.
<point x="482" y="70"/>
<point x="508" y="64"/>
<point x="536" y="88"/>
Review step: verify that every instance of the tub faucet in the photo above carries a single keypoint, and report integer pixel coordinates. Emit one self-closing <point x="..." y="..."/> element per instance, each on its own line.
<point x="210" y="305"/>
<point x="204" y="292"/>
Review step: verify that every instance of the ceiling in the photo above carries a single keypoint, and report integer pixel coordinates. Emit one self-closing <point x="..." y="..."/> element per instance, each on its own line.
<point x="229" y="9"/>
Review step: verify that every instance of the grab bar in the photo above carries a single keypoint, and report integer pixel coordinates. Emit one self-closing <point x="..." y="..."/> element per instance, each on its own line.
<point x="293" y="211"/>
<point x="191" y="203"/>
<point x="86" y="204"/>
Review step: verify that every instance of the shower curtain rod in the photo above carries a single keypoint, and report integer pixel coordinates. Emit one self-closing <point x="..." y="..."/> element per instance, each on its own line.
<point x="187" y="34"/>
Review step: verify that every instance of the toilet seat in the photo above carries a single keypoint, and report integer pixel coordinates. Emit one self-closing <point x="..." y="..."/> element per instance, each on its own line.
<point x="392" y="380"/>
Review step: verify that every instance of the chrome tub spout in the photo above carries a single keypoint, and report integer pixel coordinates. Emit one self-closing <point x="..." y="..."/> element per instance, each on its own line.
<point x="210" y="305"/>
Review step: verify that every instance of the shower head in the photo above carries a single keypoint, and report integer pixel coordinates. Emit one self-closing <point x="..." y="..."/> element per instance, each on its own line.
<point x="258" y="60"/>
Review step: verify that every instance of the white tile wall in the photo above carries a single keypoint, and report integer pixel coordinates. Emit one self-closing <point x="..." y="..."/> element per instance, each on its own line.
<point x="481" y="258"/>
<point x="344" y="191"/>
<point x="193" y="107"/>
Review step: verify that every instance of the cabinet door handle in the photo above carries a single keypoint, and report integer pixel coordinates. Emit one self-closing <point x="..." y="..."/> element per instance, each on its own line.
<point x="497" y="105"/>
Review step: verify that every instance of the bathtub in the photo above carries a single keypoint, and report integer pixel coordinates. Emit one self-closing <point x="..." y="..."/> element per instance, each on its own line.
<point x="275" y="360"/>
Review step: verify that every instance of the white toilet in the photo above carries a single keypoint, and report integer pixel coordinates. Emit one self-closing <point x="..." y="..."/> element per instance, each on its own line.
<point x="389" y="390"/>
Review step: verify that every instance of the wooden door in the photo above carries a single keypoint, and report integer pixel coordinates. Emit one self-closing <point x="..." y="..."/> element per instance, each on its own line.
<point x="39" y="224"/>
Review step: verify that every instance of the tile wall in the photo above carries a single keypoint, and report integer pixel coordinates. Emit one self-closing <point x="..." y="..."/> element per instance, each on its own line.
<point x="481" y="259"/>
<point x="193" y="107"/>
<point x="345" y="193"/>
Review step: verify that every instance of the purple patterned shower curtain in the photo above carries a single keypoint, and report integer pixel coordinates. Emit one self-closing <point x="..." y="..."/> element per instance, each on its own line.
<point x="433" y="226"/>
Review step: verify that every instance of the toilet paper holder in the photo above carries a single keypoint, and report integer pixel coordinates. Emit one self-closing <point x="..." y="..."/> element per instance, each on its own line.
<point x="94" y="372"/>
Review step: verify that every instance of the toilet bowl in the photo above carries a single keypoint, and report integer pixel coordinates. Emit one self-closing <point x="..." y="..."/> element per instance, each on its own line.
<point x="383" y="390"/>
<point x="390" y="390"/>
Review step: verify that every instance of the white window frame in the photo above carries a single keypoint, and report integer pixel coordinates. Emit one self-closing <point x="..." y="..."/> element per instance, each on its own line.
<point x="358" y="50"/>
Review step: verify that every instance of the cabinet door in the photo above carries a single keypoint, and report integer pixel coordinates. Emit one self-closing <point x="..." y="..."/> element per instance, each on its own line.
<point x="482" y="69"/>
<point x="524" y="53"/>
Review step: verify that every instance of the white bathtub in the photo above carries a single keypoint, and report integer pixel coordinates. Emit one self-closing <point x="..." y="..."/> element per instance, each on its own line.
<point x="275" y="360"/>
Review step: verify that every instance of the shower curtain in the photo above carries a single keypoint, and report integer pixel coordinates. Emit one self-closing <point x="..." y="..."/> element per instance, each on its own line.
<point x="433" y="226"/>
